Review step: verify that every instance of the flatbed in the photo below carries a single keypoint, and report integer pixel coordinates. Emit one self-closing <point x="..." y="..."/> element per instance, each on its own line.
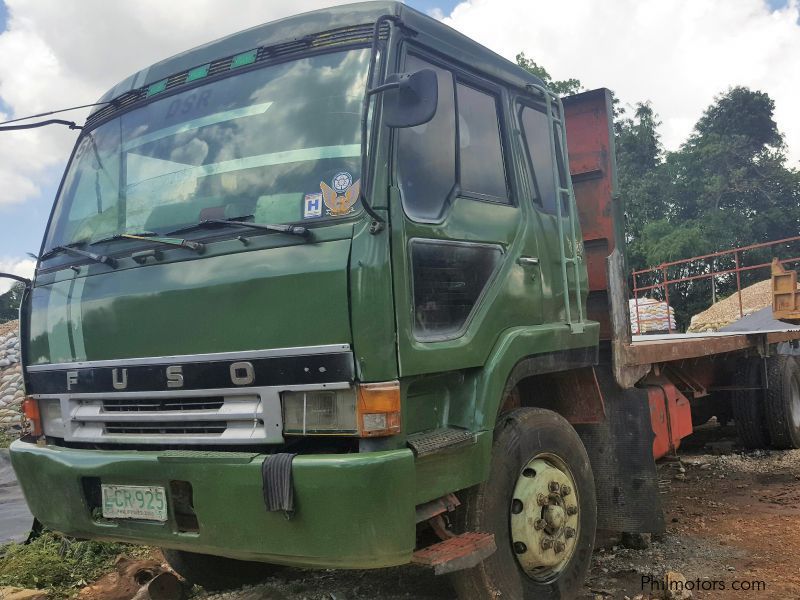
<point x="654" y="349"/>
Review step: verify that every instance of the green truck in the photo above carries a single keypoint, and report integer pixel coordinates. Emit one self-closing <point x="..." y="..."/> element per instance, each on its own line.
<point x="332" y="292"/>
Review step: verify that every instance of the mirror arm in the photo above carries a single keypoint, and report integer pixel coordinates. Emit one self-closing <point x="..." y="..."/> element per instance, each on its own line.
<point x="378" y="222"/>
<point x="382" y="88"/>
<point x="24" y="280"/>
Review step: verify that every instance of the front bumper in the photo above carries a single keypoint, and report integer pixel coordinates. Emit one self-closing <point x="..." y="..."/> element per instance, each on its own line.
<point x="353" y="510"/>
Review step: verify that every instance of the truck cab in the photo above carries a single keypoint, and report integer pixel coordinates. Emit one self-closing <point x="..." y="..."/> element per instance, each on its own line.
<point x="286" y="312"/>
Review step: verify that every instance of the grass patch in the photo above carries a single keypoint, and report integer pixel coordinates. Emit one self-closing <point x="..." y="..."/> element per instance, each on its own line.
<point x="60" y="565"/>
<point x="5" y="439"/>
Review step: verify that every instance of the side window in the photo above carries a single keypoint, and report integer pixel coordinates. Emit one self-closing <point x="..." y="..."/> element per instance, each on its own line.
<point x="427" y="153"/>
<point x="449" y="279"/>
<point x="538" y="134"/>
<point x="482" y="172"/>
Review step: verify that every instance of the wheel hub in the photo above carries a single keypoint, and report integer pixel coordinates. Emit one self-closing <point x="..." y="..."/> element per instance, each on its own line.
<point x="544" y="517"/>
<point x="554" y="516"/>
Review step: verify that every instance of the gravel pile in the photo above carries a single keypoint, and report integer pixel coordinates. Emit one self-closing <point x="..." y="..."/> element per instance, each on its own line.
<point x="760" y="461"/>
<point x="11" y="386"/>
<point x="725" y="312"/>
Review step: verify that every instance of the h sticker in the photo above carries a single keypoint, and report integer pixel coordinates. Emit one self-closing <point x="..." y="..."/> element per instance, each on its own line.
<point x="312" y="206"/>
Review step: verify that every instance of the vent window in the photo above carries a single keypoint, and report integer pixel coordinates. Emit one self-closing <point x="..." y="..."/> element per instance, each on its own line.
<point x="449" y="279"/>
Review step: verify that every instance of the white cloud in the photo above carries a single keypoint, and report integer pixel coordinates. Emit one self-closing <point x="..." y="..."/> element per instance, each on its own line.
<point x="16" y="266"/>
<point x="679" y="53"/>
<point x="58" y="53"/>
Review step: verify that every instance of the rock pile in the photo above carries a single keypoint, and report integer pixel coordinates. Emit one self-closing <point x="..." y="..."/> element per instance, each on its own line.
<point x="11" y="387"/>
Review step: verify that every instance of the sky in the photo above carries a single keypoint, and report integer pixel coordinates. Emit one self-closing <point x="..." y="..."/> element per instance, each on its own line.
<point x="678" y="54"/>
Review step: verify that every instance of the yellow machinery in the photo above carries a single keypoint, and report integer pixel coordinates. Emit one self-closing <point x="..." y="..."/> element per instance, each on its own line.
<point x="785" y="295"/>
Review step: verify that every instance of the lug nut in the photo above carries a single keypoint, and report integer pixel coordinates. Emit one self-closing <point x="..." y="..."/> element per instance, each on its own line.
<point x="516" y="506"/>
<point x="547" y="543"/>
<point x="554" y="486"/>
<point x="572" y="510"/>
<point x="559" y="546"/>
<point x="520" y="548"/>
<point x="542" y="500"/>
<point x="565" y="490"/>
<point x="569" y="532"/>
<point x="538" y="524"/>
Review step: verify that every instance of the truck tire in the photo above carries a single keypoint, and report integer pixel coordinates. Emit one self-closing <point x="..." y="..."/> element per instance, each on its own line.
<point x="782" y="407"/>
<point x="216" y="572"/>
<point x="534" y="451"/>
<point x="748" y="406"/>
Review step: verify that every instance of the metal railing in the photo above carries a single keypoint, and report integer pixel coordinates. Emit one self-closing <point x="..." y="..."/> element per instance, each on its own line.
<point x="661" y="273"/>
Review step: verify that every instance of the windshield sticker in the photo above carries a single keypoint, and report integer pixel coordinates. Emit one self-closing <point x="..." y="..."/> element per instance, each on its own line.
<point x="312" y="206"/>
<point x="342" y="181"/>
<point x="340" y="199"/>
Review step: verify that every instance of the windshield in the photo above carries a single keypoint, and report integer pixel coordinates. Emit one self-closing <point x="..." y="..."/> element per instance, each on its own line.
<point x="279" y="143"/>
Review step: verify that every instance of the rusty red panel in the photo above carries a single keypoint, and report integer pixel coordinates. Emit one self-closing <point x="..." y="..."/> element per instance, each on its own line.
<point x="658" y="420"/>
<point x="589" y="141"/>
<point x="670" y="415"/>
<point x="459" y="552"/>
<point x="591" y="164"/>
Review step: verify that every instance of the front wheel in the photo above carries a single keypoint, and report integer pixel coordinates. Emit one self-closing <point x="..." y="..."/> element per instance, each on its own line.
<point x="539" y="502"/>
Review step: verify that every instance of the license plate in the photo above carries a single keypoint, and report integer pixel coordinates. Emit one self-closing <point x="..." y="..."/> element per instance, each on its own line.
<point x="134" y="502"/>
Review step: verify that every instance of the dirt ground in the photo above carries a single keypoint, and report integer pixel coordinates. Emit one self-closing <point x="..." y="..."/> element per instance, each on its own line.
<point x="733" y="521"/>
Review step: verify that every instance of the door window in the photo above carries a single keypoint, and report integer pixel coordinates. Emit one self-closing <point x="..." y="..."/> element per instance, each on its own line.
<point x="538" y="136"/>
<point x="449" y="279"/>
<point x="428" y="154"/>
<point x="482" y="172"/>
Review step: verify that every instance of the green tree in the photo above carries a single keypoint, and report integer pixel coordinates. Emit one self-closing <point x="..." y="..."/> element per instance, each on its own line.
<point x="565" y="87"/>
<point x="640" y="175"/>
<point x="728" y="185"/>
<point x="9" y="303"/>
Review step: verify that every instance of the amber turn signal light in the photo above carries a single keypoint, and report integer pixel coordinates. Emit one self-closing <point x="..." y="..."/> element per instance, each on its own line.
<point x="379" y="409"/>
<point x="30" y="408"/>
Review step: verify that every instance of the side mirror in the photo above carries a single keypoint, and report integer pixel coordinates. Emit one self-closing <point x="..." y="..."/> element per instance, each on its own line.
<point x="411" y="98"/>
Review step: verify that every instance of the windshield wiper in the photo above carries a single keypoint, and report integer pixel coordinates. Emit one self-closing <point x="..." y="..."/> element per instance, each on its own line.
<point x="150" y="236"/>
<point x="240" y="222"/>
<point x="70" y="249"/>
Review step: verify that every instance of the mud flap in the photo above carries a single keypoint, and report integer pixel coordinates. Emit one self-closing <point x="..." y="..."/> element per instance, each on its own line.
<point x="621" y="453"/>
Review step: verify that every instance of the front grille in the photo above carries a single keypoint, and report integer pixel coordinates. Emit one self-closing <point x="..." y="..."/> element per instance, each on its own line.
<point x="162" y="404"/>
<point x="335" y="37"/>
<point x="185" y="428"/>
<point x="225" y="417"/>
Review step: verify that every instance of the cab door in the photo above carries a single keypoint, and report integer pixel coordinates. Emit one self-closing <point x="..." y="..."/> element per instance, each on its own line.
<point x="465" y="252"/>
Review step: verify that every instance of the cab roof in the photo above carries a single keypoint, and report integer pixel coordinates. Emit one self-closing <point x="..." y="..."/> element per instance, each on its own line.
<point x="428" y="31"/>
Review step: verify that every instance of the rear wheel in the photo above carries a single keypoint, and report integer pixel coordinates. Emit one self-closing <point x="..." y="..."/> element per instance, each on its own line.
<point x="783" y="401"/>
<point x="539" y="502"/>
<point x="216" y="572"/>
<point x="748" y="405"/>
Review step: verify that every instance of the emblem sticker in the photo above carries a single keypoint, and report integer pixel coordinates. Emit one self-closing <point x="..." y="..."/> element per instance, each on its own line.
<point x="341" y="196"/>
<point x="312" y="206"/>
<point x="342" y="181"/>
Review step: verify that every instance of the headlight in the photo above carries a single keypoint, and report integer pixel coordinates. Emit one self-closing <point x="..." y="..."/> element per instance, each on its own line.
<point x="370" y="410"/>
<point x="320" y="413"/>
<point x="52" y="420"/>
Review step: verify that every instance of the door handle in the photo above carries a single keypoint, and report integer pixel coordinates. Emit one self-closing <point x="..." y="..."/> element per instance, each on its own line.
<point x="528" y="261"/>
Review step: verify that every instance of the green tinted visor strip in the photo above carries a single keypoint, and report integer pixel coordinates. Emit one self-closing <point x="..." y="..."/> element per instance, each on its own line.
<point x="251" y="162"/>
<point x="216" y="118"/>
